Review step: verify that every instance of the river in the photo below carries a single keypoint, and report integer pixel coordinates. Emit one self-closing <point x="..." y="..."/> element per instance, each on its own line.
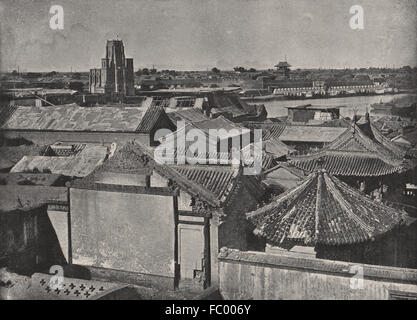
<point x="347" y="104"/>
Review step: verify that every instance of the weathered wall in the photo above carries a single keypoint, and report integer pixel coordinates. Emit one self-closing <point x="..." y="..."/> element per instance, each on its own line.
<point x="28" y="241"/>
<point x="59" y="222"/>
<point x="107" y="138"/>
<point x="117" y="231"/>
<point x="250" y="275"/>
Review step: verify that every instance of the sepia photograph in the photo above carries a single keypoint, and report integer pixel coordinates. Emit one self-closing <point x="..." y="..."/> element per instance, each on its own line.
<point x="224" y="150"/>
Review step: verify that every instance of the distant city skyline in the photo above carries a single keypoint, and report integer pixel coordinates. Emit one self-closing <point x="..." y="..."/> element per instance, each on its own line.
<point x="199" y="35"/>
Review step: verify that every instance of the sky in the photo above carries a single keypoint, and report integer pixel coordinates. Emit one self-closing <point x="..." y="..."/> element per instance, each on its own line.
<point x="201" y="34"/>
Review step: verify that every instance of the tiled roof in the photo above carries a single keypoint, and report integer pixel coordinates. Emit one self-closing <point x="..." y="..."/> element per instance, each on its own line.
<point x="323" y="210"/>
<point x="234" y="111"/>
<point x="219" y="123"/>
<point x="223" y="158"/>
<point x="218" y="180"/>
<point x="12" y="155"/>
<point x="273" y="131"/>
<point x="149" y="119"/>
<point x="213" y="184"/>
<point x="230" y="102"/>
<point x="352" y="154"/>
<point x="78" y="165"/>
<point x="297" y="133"/>
<point x="187" y="115"/>
<point x="132" y="158"/>
<point x="272" y="150"/>
<point x="313" y="134"/>
<point x="76" y="118"/>
<point x="348" y="164"/>
<point x="284" y="176"/>
<point x="5" y="113"/>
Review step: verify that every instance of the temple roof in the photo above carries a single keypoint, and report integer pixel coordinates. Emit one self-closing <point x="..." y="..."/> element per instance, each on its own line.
<point x="323" y="210"/>
<point x="212" y="184"/>
<point x="359" y="151"/>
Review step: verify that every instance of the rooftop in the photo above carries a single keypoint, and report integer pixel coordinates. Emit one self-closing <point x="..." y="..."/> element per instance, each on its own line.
<point x="312" y="134"/>
<point x="354" y="153"/>
<point x="315" y="107"/>
<point x="76" y="165"/>
<point x="297" y="133"/>
<point x="212" y="184"/>
<point x="76" y="118"/>
<point x="323" y="210"/>
<point x="187" y="115"/>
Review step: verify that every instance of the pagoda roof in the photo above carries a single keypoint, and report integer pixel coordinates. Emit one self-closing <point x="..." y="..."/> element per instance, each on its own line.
<point x="323" y="210"/>
<point x="360" y="151"/>
<point x="283" y="64"/>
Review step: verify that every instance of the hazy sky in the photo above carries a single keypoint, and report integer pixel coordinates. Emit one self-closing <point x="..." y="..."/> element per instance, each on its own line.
<point x="200" y="34"/>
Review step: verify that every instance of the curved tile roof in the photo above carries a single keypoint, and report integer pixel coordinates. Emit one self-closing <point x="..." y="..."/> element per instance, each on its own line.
<point x="354" y="153"/>
<point x="323" y="210"/>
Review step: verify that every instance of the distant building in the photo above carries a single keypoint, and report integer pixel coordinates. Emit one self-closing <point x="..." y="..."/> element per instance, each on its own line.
<point x="283" y="70"/>
<point x="116" y="74"/>
<point x="312" y="114"/>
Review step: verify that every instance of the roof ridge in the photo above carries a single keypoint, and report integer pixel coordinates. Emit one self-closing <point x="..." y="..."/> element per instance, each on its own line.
<point x="346" y="206"/>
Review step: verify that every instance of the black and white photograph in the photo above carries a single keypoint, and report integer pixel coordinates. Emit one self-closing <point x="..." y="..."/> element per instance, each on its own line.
<point x="193" y="150"/>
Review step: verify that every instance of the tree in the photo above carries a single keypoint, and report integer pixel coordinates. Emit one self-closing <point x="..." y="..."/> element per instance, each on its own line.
<point x="51" y="74"/>
<point x="76" y="85"/>
<point x="76" y="76"/>
<point x="215" y="70"/>
<point x="239" y="69"/>
<point x="144" y="71"/>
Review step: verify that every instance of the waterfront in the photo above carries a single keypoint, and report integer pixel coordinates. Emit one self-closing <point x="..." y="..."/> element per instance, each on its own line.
<point x="348" y="104"/>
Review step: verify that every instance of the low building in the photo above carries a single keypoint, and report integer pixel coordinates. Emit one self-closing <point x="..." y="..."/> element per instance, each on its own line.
<point x="170" y="222"/>
<point x="312" y="114"/>
<point x="74" y="124"/>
